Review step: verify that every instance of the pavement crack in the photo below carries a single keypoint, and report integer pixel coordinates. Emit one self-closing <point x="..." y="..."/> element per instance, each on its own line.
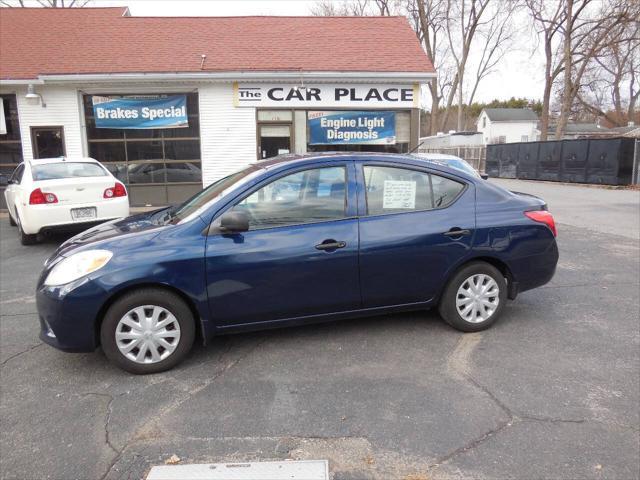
<point x="532" y="418"/>
<point x="17" y="314"/>
<point x="15" y="355"/>
<point x="147" y="430"/>
<point x="471" y="445"/>
<point x="107" y="419"/>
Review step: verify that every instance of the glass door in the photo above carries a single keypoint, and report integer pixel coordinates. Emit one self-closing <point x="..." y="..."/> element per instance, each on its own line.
<point x="273" y="140"/>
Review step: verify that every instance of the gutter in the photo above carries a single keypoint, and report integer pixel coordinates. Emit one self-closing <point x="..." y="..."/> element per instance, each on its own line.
<point x="295" y="76"/>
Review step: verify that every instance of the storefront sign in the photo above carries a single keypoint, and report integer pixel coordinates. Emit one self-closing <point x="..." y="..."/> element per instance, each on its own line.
<point x="322" y="95"/>
<point x="140" y="112"/>
<point x="333" y="128"/>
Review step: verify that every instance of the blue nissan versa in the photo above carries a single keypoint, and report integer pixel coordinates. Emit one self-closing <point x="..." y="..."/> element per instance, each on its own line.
<point x="294" y="240"/>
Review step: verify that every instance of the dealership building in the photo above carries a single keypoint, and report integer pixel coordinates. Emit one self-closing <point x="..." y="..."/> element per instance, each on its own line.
<point x="169" y="104"/>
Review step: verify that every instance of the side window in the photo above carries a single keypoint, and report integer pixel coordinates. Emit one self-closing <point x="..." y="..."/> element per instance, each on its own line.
<point x="445" y="190"/>
<point x="303" y="197"/>
<point x="394" y="190"/>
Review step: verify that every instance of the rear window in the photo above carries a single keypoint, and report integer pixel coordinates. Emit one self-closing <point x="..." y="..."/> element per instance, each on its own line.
<point x="54" y="171"/>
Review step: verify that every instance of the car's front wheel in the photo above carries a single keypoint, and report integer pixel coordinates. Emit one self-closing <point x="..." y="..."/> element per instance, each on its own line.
<point x="474" y="298"/>
<point x="147" y="331"/>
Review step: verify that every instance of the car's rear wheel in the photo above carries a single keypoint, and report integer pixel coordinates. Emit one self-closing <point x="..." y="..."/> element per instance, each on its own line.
<point x="474" y="298"/>
<point x="25" y="238"/>
<point x="147" y="331"/>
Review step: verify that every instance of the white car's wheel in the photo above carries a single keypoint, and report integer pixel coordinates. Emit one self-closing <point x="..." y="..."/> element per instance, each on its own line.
<point x="25" y="238"/>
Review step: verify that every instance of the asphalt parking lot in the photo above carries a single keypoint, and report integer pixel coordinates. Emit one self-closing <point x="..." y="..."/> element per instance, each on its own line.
<point x="551" y="391"/>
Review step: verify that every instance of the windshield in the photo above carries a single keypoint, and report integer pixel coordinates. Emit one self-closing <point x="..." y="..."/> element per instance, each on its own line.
<point x="462" y="165"/>
<point x="55" y="171"/>
<point x="213" y="191"/>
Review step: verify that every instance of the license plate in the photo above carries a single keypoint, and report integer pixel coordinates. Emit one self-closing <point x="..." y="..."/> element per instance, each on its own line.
<point x="83" y="213"/>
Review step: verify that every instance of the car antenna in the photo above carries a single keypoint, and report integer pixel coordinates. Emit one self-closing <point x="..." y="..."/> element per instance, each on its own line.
<point x="417" y="147"/>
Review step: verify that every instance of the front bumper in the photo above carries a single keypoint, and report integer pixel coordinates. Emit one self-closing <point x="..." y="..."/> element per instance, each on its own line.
<point x="68" y="314"/>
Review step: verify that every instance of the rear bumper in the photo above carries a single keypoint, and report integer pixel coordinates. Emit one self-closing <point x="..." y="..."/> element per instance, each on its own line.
<point x="37" y="218"/>
<point x="535" y="270"/>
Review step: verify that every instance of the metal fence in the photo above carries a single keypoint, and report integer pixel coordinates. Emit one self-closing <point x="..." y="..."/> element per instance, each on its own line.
<point x="476" y="156"/>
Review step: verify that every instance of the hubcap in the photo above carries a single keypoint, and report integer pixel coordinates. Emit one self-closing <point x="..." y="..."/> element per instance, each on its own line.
<point x="477" y="298"/>
<point x="147" y="334"/>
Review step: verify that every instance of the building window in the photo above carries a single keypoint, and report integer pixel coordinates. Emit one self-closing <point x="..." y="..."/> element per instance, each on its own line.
<point x="524" y="138"/>
<point x="10" y="142"/>
<point x="159" y="156"/>
<point x="484" y="122"/>
<point x="502" y="139"/>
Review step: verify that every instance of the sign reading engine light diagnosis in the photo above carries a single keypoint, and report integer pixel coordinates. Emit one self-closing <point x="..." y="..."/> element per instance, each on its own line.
<point x="366" y="128"/>
<point x="140" y="112"/>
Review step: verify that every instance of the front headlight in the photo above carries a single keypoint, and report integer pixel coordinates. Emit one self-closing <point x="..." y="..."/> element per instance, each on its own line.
<point x="77" y="265"/>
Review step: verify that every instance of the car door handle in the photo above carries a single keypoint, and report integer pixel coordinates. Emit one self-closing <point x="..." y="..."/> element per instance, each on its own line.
<point x="331" y="245"/>
<point x="457" y="232"/>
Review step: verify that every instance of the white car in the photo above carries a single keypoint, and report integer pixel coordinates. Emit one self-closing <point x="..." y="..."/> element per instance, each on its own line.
<point x="58" y="193"/>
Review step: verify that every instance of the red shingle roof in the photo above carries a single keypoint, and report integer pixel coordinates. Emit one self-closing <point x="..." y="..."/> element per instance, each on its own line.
<point x="38" y="41"/>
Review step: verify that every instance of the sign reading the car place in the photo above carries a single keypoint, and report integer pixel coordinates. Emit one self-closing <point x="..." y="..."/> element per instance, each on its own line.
<point x="325" y="95"/>
<point x="363" y="128"/>
<point x="168" y="111"/>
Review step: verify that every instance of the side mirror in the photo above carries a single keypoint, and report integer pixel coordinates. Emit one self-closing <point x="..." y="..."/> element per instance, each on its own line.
<point x="234" y="222"/>
<point x="484" y="176"/>
<point x="4" y="181"/>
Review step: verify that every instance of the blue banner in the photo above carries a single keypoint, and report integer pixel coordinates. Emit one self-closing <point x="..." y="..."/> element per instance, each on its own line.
<point x="365" y="128"/>
<point x="140" y="112"/>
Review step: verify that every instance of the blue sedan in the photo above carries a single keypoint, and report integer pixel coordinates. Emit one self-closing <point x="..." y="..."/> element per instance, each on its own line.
<point x="295" y="240"/>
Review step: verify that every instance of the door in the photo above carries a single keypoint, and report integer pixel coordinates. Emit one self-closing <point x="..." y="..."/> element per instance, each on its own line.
<point x="274" y="140"/>
<point x="300" y="255"/>
<point x="48" y="142"/>
<point x="414" y="226"/>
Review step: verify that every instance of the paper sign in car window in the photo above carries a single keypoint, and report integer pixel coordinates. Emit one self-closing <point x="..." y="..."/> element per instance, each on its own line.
<point x="399" y="194"/>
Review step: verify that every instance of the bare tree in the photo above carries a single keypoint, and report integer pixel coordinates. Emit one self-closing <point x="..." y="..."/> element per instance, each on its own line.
<point x="589" y="29"/>
<point x="350" y="8"/>
<point x="548" y="18"/>
<point x="463" y="21"/>
<point x="45" y="3"/>
<point x="429" y="23"/>
<point x="611" y="88"/>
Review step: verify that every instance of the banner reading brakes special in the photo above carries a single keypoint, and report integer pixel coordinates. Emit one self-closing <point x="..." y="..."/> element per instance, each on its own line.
<point x="140" y="112"/>
<point x="362" y="128"/>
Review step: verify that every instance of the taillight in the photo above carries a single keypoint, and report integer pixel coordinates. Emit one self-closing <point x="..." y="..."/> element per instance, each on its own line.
<point x="38" y="197"/>
<point x="542" y="216"/>
<point x="117" y="190"/>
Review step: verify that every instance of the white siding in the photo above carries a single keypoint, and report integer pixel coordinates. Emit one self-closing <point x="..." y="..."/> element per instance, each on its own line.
<point x="227" y="133"/>
<point x="63" y="109"/>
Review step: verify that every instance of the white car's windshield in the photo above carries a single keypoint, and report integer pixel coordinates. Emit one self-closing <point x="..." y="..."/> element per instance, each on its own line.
<point x="55" y="171"/>
<point x="462" y="165"/>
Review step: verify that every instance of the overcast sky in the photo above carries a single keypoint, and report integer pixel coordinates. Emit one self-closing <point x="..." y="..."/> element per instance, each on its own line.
<point x="520" y="74"/>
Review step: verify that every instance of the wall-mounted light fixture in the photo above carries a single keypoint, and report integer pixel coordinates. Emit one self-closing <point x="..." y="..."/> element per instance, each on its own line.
<point x="33" y="97"/>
